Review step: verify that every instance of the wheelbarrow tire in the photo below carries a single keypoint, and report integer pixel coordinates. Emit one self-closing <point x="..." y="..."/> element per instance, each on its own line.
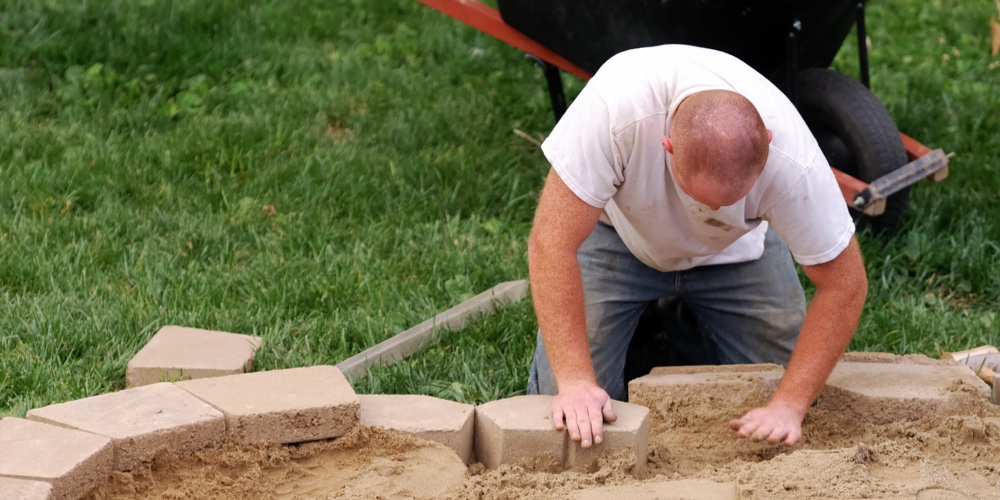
<point x="857" y="135"/>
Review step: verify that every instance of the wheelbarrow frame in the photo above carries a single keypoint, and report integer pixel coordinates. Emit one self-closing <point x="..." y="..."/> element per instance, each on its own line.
<point x="867" y="197"/>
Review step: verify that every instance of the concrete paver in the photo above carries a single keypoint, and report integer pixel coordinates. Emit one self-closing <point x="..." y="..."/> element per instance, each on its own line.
<point x="903" y="381"/>
<point x="723" y="369"/>
<point x="426" y="417"/>
<point x="142" y="422"/>
<point x="902" y="390"/>
<point x="282" y="406"/>
<point x="25" y="489"/>
<point x="630" y="430"/>
<point x="733" y="385"/>
<point x="179" y="353"/>
<point x="510" y="430"/>
<point x="73" y="462"/>
<point x="687" y="489"/>
<point x="515" y="429"/>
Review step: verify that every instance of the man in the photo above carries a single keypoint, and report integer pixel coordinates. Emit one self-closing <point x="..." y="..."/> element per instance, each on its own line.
<point x="674" y="173"/>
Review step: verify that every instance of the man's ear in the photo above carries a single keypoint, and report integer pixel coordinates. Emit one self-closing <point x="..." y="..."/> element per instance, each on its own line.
<point x="769" y="135"/>
<point x="669" y="146"/>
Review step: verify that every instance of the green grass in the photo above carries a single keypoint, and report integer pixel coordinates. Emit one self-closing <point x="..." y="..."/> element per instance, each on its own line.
<point x="327" y="174"/>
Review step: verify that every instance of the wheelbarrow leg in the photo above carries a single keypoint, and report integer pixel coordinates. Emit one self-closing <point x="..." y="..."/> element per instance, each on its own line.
<point x="862" y="44"/>
<point x="553" y="78"/>
<point x="792" y="59"/>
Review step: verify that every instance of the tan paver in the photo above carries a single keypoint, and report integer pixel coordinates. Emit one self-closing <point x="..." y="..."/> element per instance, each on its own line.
<point x="142" y="422"/>
<point x="903" y="381"/>
<point x="630" y="430"/>
<point x="282" y="406"/>
<point x="687" y="489"/>
<point x="903" y="390"/>
<point x="426" y="417"/>
<point x="730" y="369"/>
<point x="736" y="386"/>
<point x="179" y="353"/>
<point x="73" y="462"/>
<point x="514" y="429"/>
<point x="520" y="428"/>
<point x="25" y="489"/>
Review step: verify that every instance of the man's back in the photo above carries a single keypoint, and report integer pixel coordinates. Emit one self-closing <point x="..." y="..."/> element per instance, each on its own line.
<point x="607" y="150"/>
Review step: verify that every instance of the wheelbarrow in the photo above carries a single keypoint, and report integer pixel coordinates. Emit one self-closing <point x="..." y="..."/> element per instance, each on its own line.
<point x="791" y="43"/>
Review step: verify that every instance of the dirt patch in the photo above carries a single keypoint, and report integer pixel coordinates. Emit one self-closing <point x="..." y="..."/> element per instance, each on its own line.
<point x="852" y="448"/>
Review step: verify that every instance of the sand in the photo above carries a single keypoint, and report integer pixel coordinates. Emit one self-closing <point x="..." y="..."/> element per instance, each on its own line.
<point x="851" y="449"/>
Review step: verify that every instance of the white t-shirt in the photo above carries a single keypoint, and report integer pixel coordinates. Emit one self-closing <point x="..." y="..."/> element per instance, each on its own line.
<point x="607" y="149"/>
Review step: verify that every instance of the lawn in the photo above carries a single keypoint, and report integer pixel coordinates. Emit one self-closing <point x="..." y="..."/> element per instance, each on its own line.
<point x="327" y="174"/>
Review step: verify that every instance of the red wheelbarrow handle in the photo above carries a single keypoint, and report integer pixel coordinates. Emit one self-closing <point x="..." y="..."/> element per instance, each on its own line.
<point x="487" y="20"/>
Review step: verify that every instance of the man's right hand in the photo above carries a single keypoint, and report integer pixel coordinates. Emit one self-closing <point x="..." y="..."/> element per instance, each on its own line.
<point x="582" y="408"/>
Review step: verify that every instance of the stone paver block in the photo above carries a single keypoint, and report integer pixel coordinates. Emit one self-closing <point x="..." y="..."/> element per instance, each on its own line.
<point x="282" y="406"/>
<point x="736" y="386"/>
<point x="902" y="390"/>
<point x="723" y="369"/>
<point x="630" y="430"/>
<point x="25" y="489"/>
<point x="888" y="357"/>
<point x="520" y="428"/>
<point x="426" y="417"/>
<point x="687" y="489"/>
<point x="142" y="422"/>
<point x="903" y="381"/>
<point x="178" y="353"/>
<point x="73" y="462"/>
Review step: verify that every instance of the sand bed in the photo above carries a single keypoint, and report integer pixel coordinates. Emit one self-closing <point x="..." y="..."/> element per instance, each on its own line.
<point x="852" y="448"/>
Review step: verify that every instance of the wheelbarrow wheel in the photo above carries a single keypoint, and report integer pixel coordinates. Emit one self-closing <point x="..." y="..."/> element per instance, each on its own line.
<point x="856" y="134"/>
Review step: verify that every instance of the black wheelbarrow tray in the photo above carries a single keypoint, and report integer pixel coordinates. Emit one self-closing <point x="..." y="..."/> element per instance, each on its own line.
<point x="790" y="42"/>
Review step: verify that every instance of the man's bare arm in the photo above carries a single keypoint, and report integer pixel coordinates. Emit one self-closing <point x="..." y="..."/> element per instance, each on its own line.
<point x="832" y="316"/>
<point x="562" y="222"/>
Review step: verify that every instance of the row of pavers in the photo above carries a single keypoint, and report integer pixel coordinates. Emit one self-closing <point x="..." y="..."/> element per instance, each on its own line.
<point x="65" y="450"/>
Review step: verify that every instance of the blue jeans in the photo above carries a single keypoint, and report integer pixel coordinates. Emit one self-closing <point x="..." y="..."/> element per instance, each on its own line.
<point x="749" y="312"/>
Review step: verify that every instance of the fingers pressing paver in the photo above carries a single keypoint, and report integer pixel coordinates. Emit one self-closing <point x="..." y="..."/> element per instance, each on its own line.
<point x="25" y="489"/>
<point x="426" y="417"/>
<point x="687" y="489"/>
<point x="73" y="462"/>
<point x="629" y="431"/>
<point x="178" y="353"/>
<point x="282" y="406"/>
<point x="142" y="422"/>
<point x="520" y="428"/>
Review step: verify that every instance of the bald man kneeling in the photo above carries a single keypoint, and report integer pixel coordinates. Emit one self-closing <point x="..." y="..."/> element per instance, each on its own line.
<point x="681" y="176"/>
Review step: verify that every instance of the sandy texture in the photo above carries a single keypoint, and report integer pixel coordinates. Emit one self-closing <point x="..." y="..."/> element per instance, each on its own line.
<point x="367" y="463"/>
<point x="852" y="448"/>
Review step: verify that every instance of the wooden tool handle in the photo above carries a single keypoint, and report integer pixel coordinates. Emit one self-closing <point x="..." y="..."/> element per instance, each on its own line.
<point x="987" y="375"/>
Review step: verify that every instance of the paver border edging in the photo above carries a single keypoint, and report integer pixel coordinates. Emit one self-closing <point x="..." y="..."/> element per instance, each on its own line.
<point x="409" y="341"/>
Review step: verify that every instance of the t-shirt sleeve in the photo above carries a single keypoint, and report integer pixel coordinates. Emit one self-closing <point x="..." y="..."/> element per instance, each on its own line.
<point x="812" y="218"/>
<point x="581" y="150"/>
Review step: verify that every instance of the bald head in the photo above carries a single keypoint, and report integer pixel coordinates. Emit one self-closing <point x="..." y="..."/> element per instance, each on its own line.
<point x="719" y="142"/>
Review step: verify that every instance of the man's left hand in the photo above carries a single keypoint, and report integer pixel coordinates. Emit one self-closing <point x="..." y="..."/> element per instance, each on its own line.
<point x="772" y="423"/>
